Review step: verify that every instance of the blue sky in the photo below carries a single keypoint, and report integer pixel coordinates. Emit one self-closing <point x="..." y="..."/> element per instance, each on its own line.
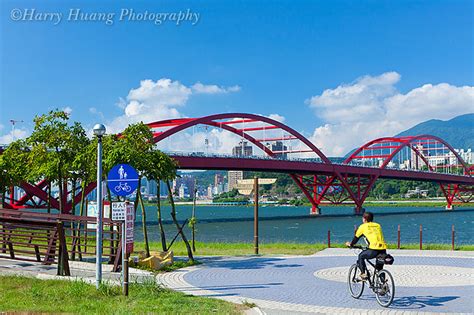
<point x="282" y="55"/>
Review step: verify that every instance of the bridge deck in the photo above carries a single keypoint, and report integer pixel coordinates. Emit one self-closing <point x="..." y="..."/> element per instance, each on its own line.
<point x="301" y="167"/>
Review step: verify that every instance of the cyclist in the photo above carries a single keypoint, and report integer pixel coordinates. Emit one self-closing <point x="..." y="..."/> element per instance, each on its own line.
<point x="372" y="233"/>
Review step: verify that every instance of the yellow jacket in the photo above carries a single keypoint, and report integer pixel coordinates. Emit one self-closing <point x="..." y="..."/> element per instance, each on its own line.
<point x="373" y="233"/>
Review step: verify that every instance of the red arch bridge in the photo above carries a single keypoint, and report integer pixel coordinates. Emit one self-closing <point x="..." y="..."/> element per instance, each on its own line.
<point x="280" y="148"/>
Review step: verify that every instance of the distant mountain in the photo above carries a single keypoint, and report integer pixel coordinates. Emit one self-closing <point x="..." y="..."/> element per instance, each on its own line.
<point x="458" y="132"/>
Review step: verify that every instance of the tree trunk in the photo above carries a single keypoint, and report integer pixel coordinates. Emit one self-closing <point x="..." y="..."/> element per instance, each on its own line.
<point x="49" y="196"/>
<point x="3" y="197"/>
<point x="173" y="216"/>
<point x="160" y="222"/>
<point x="193" y="219"/>
<point x="83" y="198"/>
<point x="61" y="192"/>
<point x="135" y="204"/>
<point x="81" y="213"/>
<point x="145" y="233"/>
<point x="73" y="212"/>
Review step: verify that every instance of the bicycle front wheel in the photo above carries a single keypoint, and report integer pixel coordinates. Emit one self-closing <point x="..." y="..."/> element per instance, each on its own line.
<point x="355" y="283"/>
<point x="385" y="288"/>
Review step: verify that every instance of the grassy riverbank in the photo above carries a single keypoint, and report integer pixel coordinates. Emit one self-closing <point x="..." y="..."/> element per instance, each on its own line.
<point x="235" y="249"/>
<point x="25" y="295"/>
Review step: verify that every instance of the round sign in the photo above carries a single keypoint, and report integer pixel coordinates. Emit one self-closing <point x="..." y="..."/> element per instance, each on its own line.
<point x="122" y="180"/>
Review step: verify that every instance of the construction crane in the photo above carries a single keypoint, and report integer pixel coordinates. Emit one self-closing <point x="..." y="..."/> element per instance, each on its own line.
<point x="13" y="122"/>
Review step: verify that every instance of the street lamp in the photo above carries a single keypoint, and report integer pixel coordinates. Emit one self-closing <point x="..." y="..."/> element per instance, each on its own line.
<point x="99" y="131"/>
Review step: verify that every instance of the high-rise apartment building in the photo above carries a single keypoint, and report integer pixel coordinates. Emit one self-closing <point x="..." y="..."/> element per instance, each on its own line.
<point x="233" y="177"/>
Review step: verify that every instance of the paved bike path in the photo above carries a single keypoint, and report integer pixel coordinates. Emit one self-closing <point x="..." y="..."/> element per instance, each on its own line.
<point x="426" y="281"/>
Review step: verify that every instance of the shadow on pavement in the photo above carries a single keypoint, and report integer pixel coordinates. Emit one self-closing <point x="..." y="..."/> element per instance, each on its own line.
<point x="419" y="302"/>
<point x="252" y="263"/>
<point x="227" y="290"/>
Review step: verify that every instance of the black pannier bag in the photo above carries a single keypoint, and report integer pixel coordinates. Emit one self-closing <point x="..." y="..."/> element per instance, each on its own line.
<point x="386" y="259"/>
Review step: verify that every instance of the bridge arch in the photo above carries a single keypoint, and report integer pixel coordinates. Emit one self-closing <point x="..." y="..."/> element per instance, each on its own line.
<point x="405" y="142"/>
<point x="415" y="144"/>
<point x="178" y="125"/>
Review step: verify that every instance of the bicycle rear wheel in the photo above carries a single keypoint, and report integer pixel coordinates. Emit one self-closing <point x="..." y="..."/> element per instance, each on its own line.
<point x="385" y="288"/>
<point x="356" y="285"/>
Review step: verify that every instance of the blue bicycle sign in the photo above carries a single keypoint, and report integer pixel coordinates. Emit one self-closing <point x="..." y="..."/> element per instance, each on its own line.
<point x="123" y="187"/>
<point x="122" y="179"/>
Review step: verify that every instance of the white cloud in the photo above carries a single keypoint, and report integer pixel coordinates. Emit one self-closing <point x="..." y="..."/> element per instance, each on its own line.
<point x="277" y="117"/>
<point x="153" y="101"/>
<point x="200" y="88"/>
<point x="371" y="107"/>
<point x="163" y="92"/>
<point x="17" y="134"/>
<point x="194" y="140"/>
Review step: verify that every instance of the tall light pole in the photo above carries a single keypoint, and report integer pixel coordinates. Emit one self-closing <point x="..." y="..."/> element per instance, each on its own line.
<point x="99" y="131"/>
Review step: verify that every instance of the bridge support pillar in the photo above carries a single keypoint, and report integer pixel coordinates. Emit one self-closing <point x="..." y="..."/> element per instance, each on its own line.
<point x="449" y="207"/>
<point x="359" y="210"/>
<point x="315" y="210"/>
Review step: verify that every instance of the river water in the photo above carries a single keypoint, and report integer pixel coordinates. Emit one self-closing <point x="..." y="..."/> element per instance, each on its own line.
<point x="293" y="224"/>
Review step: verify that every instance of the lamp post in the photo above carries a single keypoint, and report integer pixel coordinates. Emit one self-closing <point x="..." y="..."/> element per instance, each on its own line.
<point x="99" y="131"/>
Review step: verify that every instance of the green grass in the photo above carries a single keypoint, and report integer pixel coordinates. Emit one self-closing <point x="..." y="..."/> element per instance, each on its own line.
<point x="236" y="249"/>
<point x="20" y="294"/>
<point x="414" y="204"/>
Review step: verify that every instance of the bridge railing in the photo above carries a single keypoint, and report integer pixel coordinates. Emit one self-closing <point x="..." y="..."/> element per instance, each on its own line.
<point x="304" y="160"/>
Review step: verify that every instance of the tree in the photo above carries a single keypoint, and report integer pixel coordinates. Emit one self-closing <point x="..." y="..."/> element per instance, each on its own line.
<point x="14" y="166"/>
<point x="132" y="147"/>
<point x="160" y="167"/>
<point x="54" y="144"/>
<point x="78" y="163"/>
<point x="175" y="221"/>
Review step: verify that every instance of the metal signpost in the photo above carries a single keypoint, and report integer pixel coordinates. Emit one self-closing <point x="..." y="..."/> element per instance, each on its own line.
<point x="245" y="187"/>
<point x="122" y="180"/>
<point x="99" y="132"/>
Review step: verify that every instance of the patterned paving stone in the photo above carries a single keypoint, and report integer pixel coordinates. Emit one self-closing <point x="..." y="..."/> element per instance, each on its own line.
<point x="288" y="283"/>
<point x="412" y="275"/>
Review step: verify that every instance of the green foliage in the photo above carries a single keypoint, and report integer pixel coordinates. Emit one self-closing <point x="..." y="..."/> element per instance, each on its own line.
<point x="249" y="304"/>
<point x="58" y="151"/>
<point x="230" y="196"/>
<point x="55" y="145"/>
<point x="389" y="188"/>
<point x="12" y="164"/>
<point x="192" y="222"/>
<point x="159" y="166"/>
<point x="134" y="145"/>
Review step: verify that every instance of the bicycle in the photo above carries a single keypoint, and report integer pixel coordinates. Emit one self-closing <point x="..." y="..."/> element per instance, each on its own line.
<point x="123" y="186"/>
<point x="381" y="281"/>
